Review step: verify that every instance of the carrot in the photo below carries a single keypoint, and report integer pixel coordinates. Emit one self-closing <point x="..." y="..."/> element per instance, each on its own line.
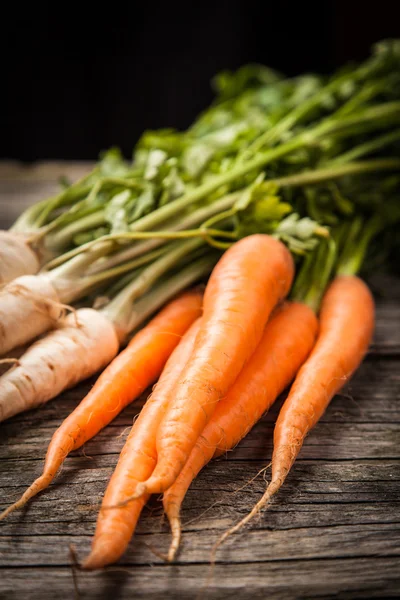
<point x="115" y="525"/>
<point x="287" y="340"/>
<point x="125" y="379"/>
<point x="248" y="281"/>
<point x="346" y="329"/>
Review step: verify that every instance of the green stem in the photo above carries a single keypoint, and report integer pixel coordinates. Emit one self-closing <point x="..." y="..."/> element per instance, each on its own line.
<point x="68" y="278"/>
<point x="87" y="203"/>
<point x="367" y="148"/>
<point x="367" y="92"/>
<point x="166" y="290"/>
<point x="184" y="223"/>
<point x="152" y="239"/>
<point x="26" y="223"/>
<point x="76" y="266"/>
<point x="95" y="279"/>
<point x="226" y="218"/>
<point x="132" y="183"/>
<point x="119" y="309"/>
<point x="354" y="251"/>
<point x="69" y="196"/>
<point x="315" y="274"/>
<point x="388" y="112"/>
<point x="356" y="168"/>
<point x="173" y="208"/>
<point x="71" y="286"/>
<point x="63" y="238"/>
<point x="300" y="112"/>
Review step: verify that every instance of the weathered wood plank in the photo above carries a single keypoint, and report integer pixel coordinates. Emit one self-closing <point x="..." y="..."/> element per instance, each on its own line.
<point x="311" y="483"/>
<point x="343" y="579"/>
<point x="257" y="545"/>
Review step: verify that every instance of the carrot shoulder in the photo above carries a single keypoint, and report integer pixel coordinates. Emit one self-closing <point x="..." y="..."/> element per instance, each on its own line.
<point x="249" y="280"/>
<point x="119" y="513"/>
<point x="287" y="340"/>
<point x="130" y="373"/>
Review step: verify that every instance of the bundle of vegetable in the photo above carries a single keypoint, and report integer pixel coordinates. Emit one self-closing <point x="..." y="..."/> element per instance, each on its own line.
<point x="277" y="173"/>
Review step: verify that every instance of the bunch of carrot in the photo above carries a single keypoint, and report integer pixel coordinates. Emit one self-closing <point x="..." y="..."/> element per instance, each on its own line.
<point x="248" y="232"/>
<point x="221" y="360"/>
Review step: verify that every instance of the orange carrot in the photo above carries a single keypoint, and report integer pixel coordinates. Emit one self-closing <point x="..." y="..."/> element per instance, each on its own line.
<point x="346" y="329"/>
<point x="288" y="339"/>
<point x="130" y="373"/>
<point x="116" y="524"/>
<point x="248" y="281"/>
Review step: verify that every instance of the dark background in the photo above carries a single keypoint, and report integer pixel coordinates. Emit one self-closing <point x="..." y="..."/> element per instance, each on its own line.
<point x="75" y="84"/>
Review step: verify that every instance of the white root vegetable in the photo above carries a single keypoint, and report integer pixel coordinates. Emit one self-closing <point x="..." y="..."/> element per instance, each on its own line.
<point x="58" y="361"/>
<point x="29" y="306"/>
<point x="32" y="304"/>
<point x="16" y="257"/>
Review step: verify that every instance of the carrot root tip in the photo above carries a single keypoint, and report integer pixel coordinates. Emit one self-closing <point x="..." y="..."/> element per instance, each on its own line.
<point x="264" y="501"/>
<point x="37" y="486"/>
<point x="175" y="524"/>
<point x="10" y="509"/>
<point x="92" y="562"/>
<point x="7" y="511"/>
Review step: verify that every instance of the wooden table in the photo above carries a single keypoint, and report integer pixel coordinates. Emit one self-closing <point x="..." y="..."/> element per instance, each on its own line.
<point x="333" y="531"/>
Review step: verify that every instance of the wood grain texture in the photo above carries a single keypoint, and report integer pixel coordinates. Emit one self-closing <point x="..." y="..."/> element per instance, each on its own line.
<point x="332" y="532"/>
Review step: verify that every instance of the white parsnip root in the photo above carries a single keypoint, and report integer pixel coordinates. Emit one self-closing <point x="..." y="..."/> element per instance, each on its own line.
<point x="16" y="257"/>
<point x="58" y="361"/>
<point x="29" y="306"/>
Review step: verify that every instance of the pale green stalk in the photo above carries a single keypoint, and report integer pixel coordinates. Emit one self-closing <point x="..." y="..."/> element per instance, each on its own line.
<point x="119" y="309"/>
<point x="367" y="148"/>
<point x="164" y="291"/>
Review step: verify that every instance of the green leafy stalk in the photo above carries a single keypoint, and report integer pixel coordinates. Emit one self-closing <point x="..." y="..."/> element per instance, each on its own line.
<point x="314" y="275"/>
<point x="35" y="216"/>
<point x="336" y="172"/>
<point x="119" y="309"/>
<point x="168" y="288"/>
<point x="358" y="236"/>
<point x="367" y="148"/>
<point x="63" y="238"/>
<point x="151" y="240"/>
